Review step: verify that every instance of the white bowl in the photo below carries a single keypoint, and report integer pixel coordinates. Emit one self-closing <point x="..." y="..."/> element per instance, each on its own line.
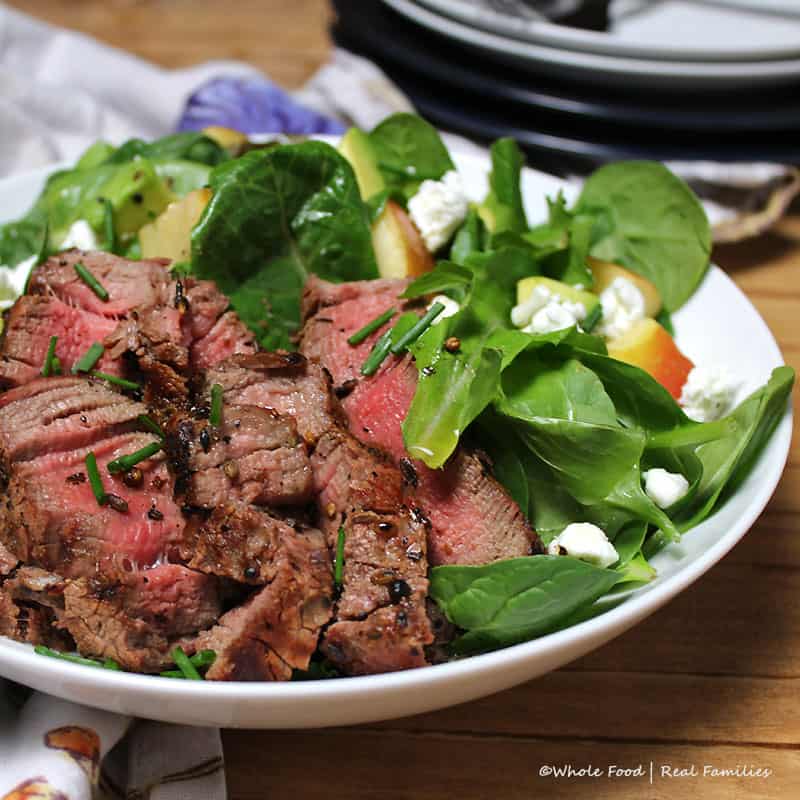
<point x="718" y="325"/>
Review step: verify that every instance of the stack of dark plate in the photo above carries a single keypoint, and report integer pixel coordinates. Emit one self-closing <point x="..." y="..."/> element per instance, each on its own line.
<point x="675" y="80"/>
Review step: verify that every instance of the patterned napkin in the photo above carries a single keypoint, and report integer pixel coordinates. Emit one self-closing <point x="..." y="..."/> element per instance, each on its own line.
<point x="59" y="92"/>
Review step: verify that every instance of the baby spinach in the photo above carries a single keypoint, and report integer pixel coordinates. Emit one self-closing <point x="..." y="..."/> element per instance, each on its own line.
<point x="454" y="387"/>
<point x="515" y="600"/>
<point x="653" y="224"/>
<point x="503" y="205"/>
<point x="277" y="216"/>
<point x="409" y="150"/>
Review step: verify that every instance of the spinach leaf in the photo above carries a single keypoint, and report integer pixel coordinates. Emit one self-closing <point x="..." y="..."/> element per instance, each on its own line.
<point x="409" y="150"/>
<point x="22" y="239"/>
<point x="469" y="238"/>
<point x="277" y="216"/>
<point x="453" y="388"/>
<point x="503" y="205"/>
<point x="654" y="225"/>
<point x="189" y="146"/>
<point x="515" y="600"/>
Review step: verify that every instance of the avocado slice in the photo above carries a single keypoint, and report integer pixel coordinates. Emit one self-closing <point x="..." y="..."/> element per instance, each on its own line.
<point x="358" y="150"/>
<point x="589" y="300"/>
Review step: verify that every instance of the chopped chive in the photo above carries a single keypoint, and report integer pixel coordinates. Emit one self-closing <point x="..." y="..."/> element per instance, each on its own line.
<point x="95" y="481"/>
<point x="172" y="673"/>
<point x="88" y="359"/>
<point x="41" y="256"/>
<point x="41" y="650"/>
<point x="151" y="425"/>
<point x="203" y="658"/>
<point x="55" y="366"/>
<point x="215" y="417"/>
<point x="91" y="281"/>
<point x="124" y="463"/>
<point x="338" y="564"/>
<point x="104" y="376"/>
<point x="371" y="327"/>
<point x="413" y="333"/>
<point x="185" y="666"/>
<point x="108" y="226"/>
<point x="109" y="663"/>
<point x="378" y="353"/>
<point x="47" y="367"/>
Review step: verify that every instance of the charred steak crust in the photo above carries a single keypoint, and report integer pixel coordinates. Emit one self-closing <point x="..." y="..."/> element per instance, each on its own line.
<point x="473" y="518"/>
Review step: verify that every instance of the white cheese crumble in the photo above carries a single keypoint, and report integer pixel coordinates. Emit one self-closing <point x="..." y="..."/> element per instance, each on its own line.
<point x="545" y="311"/>
<point x="451" y="308"/>
<point x="585" y="541"/>
<point x="664" y="488"/>
<point x="708" y="393"/>
<point x="80" y="235"/>
<point x="623" y="304"/>
<point x="13" y="280"/>
<point x="438" y="208"/>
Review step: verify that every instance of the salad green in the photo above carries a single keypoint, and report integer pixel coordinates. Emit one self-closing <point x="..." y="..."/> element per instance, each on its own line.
<point x="570" y="430"/>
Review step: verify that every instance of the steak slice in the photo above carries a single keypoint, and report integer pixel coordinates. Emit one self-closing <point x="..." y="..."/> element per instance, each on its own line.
<point x="50" y="516"/>
<point x="255" y="455"/>
<point x="228" y="337"/>
<point x="473" y="519"/>
<point x="381" y="621"/>
<point x="277" y="629"/>
<point x="138" y="620"/>
<point x="30" y="324"/>
<point x="282" y="382"/>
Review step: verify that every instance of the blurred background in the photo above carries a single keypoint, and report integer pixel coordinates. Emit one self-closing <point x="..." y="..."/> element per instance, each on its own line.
<point x="576" y="82"/>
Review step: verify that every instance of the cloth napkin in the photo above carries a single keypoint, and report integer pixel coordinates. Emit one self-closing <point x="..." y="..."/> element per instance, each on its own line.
<point x="59" y="92"/>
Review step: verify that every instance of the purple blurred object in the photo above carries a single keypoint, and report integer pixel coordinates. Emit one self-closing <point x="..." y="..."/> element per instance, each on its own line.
<point x="251" y="105"/>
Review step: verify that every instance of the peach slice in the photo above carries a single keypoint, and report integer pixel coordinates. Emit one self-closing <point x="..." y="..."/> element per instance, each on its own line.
<point x="649" y="346"/>
<point x="399" y="247"/>
<point x="604" y="273"/>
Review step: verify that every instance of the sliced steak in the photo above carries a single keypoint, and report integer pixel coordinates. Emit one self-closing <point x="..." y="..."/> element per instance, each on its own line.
<point x="226" y="338"/>
<point x="255" y="455"/>
<point x="277" y="629"/>
<point x="280" y="381"/>
<point x="381" y="621"/>
<point x="139" y="620"/>
<point x="30" y="623"/>
<point x="473" y="519"/>
<point x="50" y="516"/>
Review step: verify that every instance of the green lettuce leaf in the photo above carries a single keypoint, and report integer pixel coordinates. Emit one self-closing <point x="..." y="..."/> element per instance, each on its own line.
<point x="277" y="216"/>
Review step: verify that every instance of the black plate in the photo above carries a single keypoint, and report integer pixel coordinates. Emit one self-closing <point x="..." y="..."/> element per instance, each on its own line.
<point x="402" y="48"/>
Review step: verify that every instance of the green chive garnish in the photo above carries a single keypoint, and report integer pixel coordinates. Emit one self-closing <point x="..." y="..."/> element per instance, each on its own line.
<point x="378" y="353"/>
<point x="95" y="481"/>
<point x="47" y="367"/>
<point x="91" y="281"/>
<point x="88" y="359"/>
<point x="124" y="463"/>
<point x="338" y="564"/>
<point x="371" y="327"/>
<point x="104" y="376"/>
<point x="215" y="417"/>
<point x="203" y="658"/>
<point x="172" y="673"/>
<point x="153" y="427"/>
<point x="184" y="665"/>
<point x="41" y="256"/>
<point x="413" y="333"/>
<point x="108" y="663"/>
<point x="108" y="226"/>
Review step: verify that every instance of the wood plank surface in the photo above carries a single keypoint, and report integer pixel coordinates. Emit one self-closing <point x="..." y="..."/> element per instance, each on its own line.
<point x="711" y="680"/>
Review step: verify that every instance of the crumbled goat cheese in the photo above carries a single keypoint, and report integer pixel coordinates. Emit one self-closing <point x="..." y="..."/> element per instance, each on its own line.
<point x="623" y="304"/>
<point x="13" y="280"/>
<point x="451" y="308"/>
<point x="438" y="208"/>
<point x="80" y="235"/>
<point x="584" y="541"/>
<point x="664" y="488"/>
<point x="708" y="393"/>
<point x="545" y="311"/>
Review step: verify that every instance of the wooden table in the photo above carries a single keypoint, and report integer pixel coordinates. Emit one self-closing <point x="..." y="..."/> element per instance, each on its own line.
<point x="713" y="679"/>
